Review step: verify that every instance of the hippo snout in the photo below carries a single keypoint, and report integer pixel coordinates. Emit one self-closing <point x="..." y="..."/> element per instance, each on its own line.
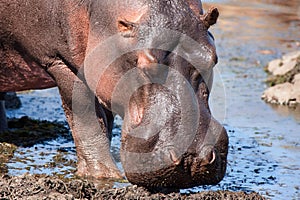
<point x="165" y="145"/>
<point x="206" y="156"/>
<point x="209" y="166"/>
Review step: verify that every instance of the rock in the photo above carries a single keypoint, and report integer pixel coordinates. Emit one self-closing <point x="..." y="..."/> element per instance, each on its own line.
<point x="273" y="65"/>
<point x="284" y="79"/>
<point x="287" y="65"/>
<point x="291" y="55"/>
<point x="284" y="65"/>
<point x="280" y="93"/>
<point x="284" y="94"/>
<point x="295" y="94"/>
<point x="296" y="78"/>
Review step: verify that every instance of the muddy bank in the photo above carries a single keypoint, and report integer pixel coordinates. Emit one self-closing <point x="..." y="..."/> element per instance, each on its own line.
<point x="27" y="132"/>
<point x="284" y="79"/>
<point x="46" y="187"/>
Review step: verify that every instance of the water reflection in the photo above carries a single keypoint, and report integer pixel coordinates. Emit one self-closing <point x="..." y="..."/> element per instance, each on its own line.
<point x="290" y="3"/>
<point x="272" y="21"/>
<point x="287" y="111"/>
<point x="248" y="35"/>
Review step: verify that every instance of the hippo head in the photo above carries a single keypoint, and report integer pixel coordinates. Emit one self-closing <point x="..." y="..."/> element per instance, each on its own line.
<point x="159" y="82"/>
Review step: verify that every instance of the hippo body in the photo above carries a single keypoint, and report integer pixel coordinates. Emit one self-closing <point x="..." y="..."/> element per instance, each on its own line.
<point x="150" y="61"/>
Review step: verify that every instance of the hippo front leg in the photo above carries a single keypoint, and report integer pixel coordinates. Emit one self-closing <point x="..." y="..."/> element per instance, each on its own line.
<point x="3" y="119"/>
<point x="90" y="124"/>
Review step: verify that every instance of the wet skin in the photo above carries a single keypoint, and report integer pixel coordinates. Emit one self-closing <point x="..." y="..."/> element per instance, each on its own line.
<point x="149" y="61"/>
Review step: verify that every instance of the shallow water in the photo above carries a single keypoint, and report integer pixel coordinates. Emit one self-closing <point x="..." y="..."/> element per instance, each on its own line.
<point x="264" y="139"/>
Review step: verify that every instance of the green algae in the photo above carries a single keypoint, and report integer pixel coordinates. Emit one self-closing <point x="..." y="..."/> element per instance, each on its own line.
<point x="26" y="132"/>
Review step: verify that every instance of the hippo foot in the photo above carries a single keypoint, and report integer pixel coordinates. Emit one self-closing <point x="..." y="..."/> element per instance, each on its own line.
<point x="98" y="171"/>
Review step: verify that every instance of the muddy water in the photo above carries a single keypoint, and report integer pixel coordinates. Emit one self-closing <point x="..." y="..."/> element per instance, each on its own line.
<point x="264" y="154"/>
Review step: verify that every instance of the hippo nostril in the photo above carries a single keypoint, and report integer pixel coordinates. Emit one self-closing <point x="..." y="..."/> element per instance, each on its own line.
<point x="145" y="59"/>
<point x="208" y="156"/>
<point x="212" y="157"/>
<point x="174" y="157"/>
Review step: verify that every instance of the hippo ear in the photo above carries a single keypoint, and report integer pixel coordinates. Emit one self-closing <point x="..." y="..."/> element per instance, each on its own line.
<point x="210" y="18"/>
<point x="126" y="28"/>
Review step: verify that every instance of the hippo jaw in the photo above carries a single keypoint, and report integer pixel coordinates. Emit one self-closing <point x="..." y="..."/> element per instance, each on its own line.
<point x="187" y="171"/>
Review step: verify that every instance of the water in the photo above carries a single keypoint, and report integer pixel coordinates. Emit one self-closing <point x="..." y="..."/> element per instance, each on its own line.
<point x="264" y="139"/>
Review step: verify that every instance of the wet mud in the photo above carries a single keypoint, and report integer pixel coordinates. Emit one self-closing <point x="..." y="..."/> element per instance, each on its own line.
<point x="6" y="153"/>
<point x="26" y="132"/>
<point x="45" y="187"/>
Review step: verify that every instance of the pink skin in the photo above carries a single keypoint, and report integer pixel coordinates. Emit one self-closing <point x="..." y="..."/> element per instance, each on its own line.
<point x="46" y="45"/>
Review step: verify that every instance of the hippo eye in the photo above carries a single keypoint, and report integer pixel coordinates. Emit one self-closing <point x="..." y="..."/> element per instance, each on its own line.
<point x="126" y="28"/>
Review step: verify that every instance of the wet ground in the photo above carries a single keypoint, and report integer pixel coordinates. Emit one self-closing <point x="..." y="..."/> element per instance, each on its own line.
<point x="264" y="139"/>
<point x="37" y="187"/>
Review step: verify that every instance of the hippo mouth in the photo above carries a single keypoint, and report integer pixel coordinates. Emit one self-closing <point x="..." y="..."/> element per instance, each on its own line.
<point x="158" y="150"/>
<point x="187" y="172"/>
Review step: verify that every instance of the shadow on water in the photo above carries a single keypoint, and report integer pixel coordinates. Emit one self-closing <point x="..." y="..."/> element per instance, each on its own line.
<point x="264" y="139"/>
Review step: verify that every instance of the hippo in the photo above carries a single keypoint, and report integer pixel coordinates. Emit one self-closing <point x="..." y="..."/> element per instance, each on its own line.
<point x="149" y="61"/>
